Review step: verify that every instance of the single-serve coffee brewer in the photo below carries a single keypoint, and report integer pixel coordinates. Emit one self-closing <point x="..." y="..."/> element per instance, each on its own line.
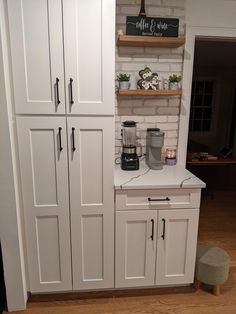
<point x="154" y="144"/>
<point x="129" y="157"/>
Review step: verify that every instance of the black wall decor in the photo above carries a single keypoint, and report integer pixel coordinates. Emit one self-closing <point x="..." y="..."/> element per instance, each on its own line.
<point x="152" y="26"/>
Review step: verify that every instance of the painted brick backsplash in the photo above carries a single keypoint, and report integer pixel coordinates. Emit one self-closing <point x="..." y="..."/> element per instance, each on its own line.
<point x="149" y="112"/>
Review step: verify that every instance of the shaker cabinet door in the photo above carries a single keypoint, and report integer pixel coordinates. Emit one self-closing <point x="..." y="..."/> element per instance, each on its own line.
<point x="36" y="43"/>
<point x="44" y="177"/>
<point x="176" y="246"/>
<point x="90" y="144"/>
<point x="89" y="37"/>
<point x="135" y="248"/>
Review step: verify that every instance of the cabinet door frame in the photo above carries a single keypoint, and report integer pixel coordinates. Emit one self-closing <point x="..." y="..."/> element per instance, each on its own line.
<point x="86" y="210"/>
<point x="191" y="216"/>
<point x="19" y="52"/>
<point x="78" y="13"/>
<point x="122" y="218"/>
<point x="38" y="215"/>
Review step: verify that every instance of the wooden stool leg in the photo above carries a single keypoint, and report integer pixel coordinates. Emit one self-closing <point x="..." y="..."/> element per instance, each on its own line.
<point x="196" y="284"/>
<point x="216" y="290"/>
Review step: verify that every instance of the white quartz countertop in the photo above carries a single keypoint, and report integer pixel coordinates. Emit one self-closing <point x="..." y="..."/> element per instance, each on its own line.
<point x="145" y="178"/>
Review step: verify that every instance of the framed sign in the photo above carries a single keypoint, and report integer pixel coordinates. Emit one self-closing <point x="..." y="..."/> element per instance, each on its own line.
<point x="152" y="26"/>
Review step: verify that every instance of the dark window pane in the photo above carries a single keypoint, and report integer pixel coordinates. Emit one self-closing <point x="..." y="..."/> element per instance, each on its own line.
<point x="198" y="100"/>
<point x="193" y="87"/>
<point x="206" y="125"/>
<point x="199" y="88"/>
<point x="197" y="125"/>
<point x="208" y="100"/>
<point x="208" y="87"/>
<point x="190" y="125"/>
<point x="192" y="100"/>
<point x="207" y="113"/>
<point x="198" y="113"/>
<point x="191" y="114"/>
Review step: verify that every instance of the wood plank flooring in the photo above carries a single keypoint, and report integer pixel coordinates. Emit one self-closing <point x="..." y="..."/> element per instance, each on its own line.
<point x="217" y="226"/>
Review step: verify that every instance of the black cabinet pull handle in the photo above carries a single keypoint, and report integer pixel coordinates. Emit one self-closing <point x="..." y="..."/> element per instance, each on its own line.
<point x="158" y="199"/>
<point x="152" y="235"/>
<point x="73" y="139"/>
<point x="57" y="91"/>
<point x="164" y="229"/>
<point x="71" y="91"/>
<point x="60" y="147"/>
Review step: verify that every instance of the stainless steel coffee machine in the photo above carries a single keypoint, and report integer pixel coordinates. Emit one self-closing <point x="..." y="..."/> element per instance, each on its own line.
<point x="129" y="157"/>
<point x="154" y="144"/>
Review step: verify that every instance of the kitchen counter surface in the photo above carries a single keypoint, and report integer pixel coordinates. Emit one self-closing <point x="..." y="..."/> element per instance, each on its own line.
<point x="145" y="178"/>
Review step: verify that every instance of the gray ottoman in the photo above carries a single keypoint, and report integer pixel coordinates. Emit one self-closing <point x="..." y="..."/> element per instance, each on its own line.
<point x="212" y="267"/>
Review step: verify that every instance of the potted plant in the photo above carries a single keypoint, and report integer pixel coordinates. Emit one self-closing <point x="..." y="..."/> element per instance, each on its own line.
<point x="174" y="81"/>
<point x="123" y="80"/>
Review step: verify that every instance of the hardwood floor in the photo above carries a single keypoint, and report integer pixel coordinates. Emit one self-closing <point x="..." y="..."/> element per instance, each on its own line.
<point x="217" y="226"/>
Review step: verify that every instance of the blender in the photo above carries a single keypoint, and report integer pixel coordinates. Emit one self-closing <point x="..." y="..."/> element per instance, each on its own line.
<point x="129" y="157"/>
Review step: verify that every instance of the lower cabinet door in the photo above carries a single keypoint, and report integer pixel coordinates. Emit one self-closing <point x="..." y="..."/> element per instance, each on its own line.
<point x="44" y="177"/>
<point x="176" y="246"/>
<point x="92" y="201"/>
<point x="135" y="248"/>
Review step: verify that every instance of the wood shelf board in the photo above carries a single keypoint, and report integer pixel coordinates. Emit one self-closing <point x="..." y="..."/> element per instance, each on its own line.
<point x="143" y="92"/>
<point x="149" y="41"/>
<point x="220" y="161"/>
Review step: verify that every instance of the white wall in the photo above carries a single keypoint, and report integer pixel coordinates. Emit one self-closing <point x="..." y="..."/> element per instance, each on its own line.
<point x="211" y="13"/>
<point x="10" y="229"/>
<point x="204" y="18"/>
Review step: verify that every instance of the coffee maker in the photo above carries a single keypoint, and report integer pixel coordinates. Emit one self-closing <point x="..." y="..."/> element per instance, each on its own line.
<point x="129" y="157"/>
<point x="154" y="144"/>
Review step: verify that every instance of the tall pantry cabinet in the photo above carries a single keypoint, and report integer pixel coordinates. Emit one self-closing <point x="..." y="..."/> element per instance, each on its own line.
<point x="63" y="81"/>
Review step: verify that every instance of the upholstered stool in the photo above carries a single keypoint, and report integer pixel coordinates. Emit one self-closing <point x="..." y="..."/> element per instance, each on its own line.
<point x="212" y="267"/>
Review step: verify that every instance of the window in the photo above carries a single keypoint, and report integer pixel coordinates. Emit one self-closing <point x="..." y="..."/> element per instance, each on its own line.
<point x="201" y="106"/>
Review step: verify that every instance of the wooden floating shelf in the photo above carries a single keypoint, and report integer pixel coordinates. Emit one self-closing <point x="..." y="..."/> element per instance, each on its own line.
<point x="149" y="41"/>
<point x="143" y="92"/>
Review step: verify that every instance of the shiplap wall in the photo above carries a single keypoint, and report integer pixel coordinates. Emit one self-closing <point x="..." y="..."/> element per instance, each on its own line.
<point x="150" y="112"/>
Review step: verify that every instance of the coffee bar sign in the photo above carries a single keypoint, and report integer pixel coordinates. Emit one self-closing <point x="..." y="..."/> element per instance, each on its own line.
<point x="152" y="26"/>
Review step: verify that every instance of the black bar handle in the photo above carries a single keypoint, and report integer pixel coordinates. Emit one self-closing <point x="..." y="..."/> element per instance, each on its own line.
<point x="60" y="147"/>
<point x="164" y="229"/>
<point x="57" y="91"/>
<point x="167" y="199"/>
<point x="71" y="91"/>
<point x="73" y="139"/>
<point x="152" y="235"/>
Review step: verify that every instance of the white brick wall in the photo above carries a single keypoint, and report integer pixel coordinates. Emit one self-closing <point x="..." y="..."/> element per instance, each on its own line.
<point x="149" y="112"/>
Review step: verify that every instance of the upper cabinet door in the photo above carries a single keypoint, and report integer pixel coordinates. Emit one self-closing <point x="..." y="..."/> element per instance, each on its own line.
<point x="37" y="56"/>
<point x="44" y="177"/>
<point x="176" y="246"/>
<point x="89" y="37"/>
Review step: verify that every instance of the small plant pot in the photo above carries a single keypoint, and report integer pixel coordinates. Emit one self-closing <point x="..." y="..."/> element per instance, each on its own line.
<point x="123" y="85"/>
<point x="174" y="86"/>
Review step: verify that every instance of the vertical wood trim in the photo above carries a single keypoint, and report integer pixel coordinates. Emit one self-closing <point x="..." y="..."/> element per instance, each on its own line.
<point x="10" y="229"/>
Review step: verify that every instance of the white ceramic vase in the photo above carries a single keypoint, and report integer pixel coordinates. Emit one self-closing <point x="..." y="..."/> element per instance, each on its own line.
<point x="123" y="85"/>
<point x="174" y="86"/>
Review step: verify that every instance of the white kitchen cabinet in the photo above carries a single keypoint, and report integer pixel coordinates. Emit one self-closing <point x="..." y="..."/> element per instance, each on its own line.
<point x="49" y="221"/>
<point x="139" y="259"/>
<point x="92" y="201"/>
<point x="36" y="42"/>
<point x="89" y="28"/>
<point x="176" y="246"/>
<point x="136" y="234"/>
<point x="47" y="37"/>
<point x="44" y="179"/>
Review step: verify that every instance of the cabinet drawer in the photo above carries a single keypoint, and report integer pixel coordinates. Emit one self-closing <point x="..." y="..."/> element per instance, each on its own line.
<point x="157" y="199"/>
